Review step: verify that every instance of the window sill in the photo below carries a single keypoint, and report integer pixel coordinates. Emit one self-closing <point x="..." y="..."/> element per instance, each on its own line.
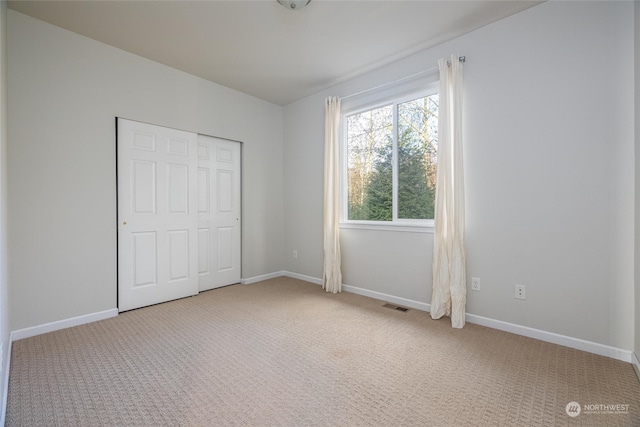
<point x="410" y="228"/>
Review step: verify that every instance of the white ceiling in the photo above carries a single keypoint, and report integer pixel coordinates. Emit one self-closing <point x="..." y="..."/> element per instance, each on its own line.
<point x="260" y="48"/>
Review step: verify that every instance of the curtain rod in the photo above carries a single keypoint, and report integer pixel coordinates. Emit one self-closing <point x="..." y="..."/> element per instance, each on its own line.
<point x="428" y="71"/>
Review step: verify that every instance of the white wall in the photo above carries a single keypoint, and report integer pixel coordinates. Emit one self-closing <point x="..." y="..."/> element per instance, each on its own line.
<point x="4" y="301"/>
<point x="65" y="91"/>
<point x="548" y="128"/>
<point x="637" y="180"/>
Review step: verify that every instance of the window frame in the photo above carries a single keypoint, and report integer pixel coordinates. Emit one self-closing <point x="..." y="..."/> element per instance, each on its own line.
<point x="369" y="102"/>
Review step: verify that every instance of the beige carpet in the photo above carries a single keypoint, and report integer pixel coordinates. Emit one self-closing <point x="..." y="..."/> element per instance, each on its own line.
<point x="284" y="353"/>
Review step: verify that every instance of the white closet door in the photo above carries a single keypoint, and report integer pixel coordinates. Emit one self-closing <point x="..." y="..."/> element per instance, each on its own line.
<point x="157" y="214"/>
<point x="218" y="212"/>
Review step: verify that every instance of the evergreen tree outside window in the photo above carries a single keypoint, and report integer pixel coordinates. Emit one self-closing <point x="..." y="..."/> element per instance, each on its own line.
<point x="391" y="162"/>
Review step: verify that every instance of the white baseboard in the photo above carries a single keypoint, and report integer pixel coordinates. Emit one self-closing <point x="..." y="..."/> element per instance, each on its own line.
<point x="577" y="343"/>
<point x="313" y="280"/>
<point x="636" y="364"/>
<point x="366" y="292"/>
<point x="5" y="383"/>
<point x="388" y="298"/>
<point x="262" y="277"/>
<point x="62" y="324"/>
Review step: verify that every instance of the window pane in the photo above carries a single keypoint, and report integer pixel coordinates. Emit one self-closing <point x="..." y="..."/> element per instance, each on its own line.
<point x="417" y="157"/>
<point x="369" y="157"/>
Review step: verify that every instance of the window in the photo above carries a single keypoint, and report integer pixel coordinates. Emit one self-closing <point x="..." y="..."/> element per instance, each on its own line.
<point x="390" y="162"/>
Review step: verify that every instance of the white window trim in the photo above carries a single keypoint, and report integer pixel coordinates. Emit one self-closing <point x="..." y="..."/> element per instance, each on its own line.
<point x="389" y="226"/>
<point x="372" y="100"/>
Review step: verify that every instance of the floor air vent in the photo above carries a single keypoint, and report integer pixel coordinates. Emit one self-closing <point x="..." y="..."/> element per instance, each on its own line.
<point x="396" y="307"/>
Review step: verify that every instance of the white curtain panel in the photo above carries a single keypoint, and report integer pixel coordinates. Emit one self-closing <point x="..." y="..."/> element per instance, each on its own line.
<point x="449" y="276"/>
<point x="332" y="276"/>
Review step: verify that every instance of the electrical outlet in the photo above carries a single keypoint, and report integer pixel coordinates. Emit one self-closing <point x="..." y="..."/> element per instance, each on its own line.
<point x="521" y="292"/>
<point x="475" y="284"/>
<point x="295" y="254"/>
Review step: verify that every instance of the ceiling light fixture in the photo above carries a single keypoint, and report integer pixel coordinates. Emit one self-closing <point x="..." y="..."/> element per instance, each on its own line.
<point x="294" y="4"/>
